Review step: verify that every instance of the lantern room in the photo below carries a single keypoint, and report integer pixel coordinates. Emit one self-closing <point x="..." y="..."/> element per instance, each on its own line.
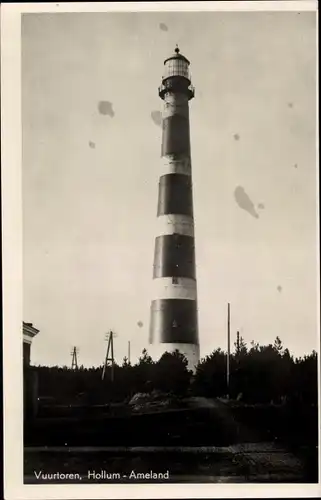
<point x="176" y="76"/>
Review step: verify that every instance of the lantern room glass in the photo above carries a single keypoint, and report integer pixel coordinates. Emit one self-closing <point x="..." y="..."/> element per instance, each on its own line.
<point x="176" y="67"/>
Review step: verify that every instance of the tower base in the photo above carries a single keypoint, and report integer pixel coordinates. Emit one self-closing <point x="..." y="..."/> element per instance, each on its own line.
<point x="190" y="351"/>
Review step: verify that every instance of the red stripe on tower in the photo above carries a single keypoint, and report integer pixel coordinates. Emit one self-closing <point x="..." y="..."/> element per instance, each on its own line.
<point x="174" y="323"/>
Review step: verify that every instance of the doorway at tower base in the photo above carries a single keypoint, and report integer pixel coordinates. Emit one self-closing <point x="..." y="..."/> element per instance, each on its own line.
<point x="190" y="351"/>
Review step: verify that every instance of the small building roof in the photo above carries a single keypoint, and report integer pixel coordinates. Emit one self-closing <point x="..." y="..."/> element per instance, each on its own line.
<point x="29" y="329"/>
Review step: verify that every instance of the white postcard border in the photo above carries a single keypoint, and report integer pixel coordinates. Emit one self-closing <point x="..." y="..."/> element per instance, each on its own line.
<point x="11" y="135"/>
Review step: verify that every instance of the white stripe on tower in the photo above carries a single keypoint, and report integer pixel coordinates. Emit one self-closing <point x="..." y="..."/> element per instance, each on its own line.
<point x="174" y="288"/>
<point x="172" y="165"/>
<point x="175" y="224"/>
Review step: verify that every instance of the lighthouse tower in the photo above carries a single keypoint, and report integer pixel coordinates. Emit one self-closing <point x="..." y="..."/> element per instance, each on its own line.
<point x="173" y="322"/>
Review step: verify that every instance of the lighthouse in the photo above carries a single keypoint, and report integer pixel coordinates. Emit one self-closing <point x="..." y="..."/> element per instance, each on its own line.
<point x="173" y="315"/>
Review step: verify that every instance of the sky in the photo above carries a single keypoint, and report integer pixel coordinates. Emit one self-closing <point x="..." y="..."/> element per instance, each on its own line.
<point x="90" y="165"/>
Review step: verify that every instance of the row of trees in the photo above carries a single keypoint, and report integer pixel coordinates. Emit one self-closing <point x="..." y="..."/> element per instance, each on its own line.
<point x="258" y="374"/>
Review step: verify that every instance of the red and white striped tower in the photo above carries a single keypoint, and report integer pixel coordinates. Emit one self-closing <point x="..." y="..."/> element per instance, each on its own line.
<point x="174" y="323"/>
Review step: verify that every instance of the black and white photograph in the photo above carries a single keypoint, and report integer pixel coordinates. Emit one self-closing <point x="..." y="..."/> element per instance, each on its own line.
<point x="165" y="248"/>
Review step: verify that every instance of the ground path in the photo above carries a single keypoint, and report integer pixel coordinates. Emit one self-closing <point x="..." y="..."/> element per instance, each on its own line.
<point x="247" y="459"/>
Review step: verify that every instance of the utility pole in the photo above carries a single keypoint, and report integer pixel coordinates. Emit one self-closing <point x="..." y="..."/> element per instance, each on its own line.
<point x="109" y="359"/>
<point x="237" y="342"/>
<point x="74" y="361"/>
<point x="128" y="352"/>
<point x="228" y="350"/>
